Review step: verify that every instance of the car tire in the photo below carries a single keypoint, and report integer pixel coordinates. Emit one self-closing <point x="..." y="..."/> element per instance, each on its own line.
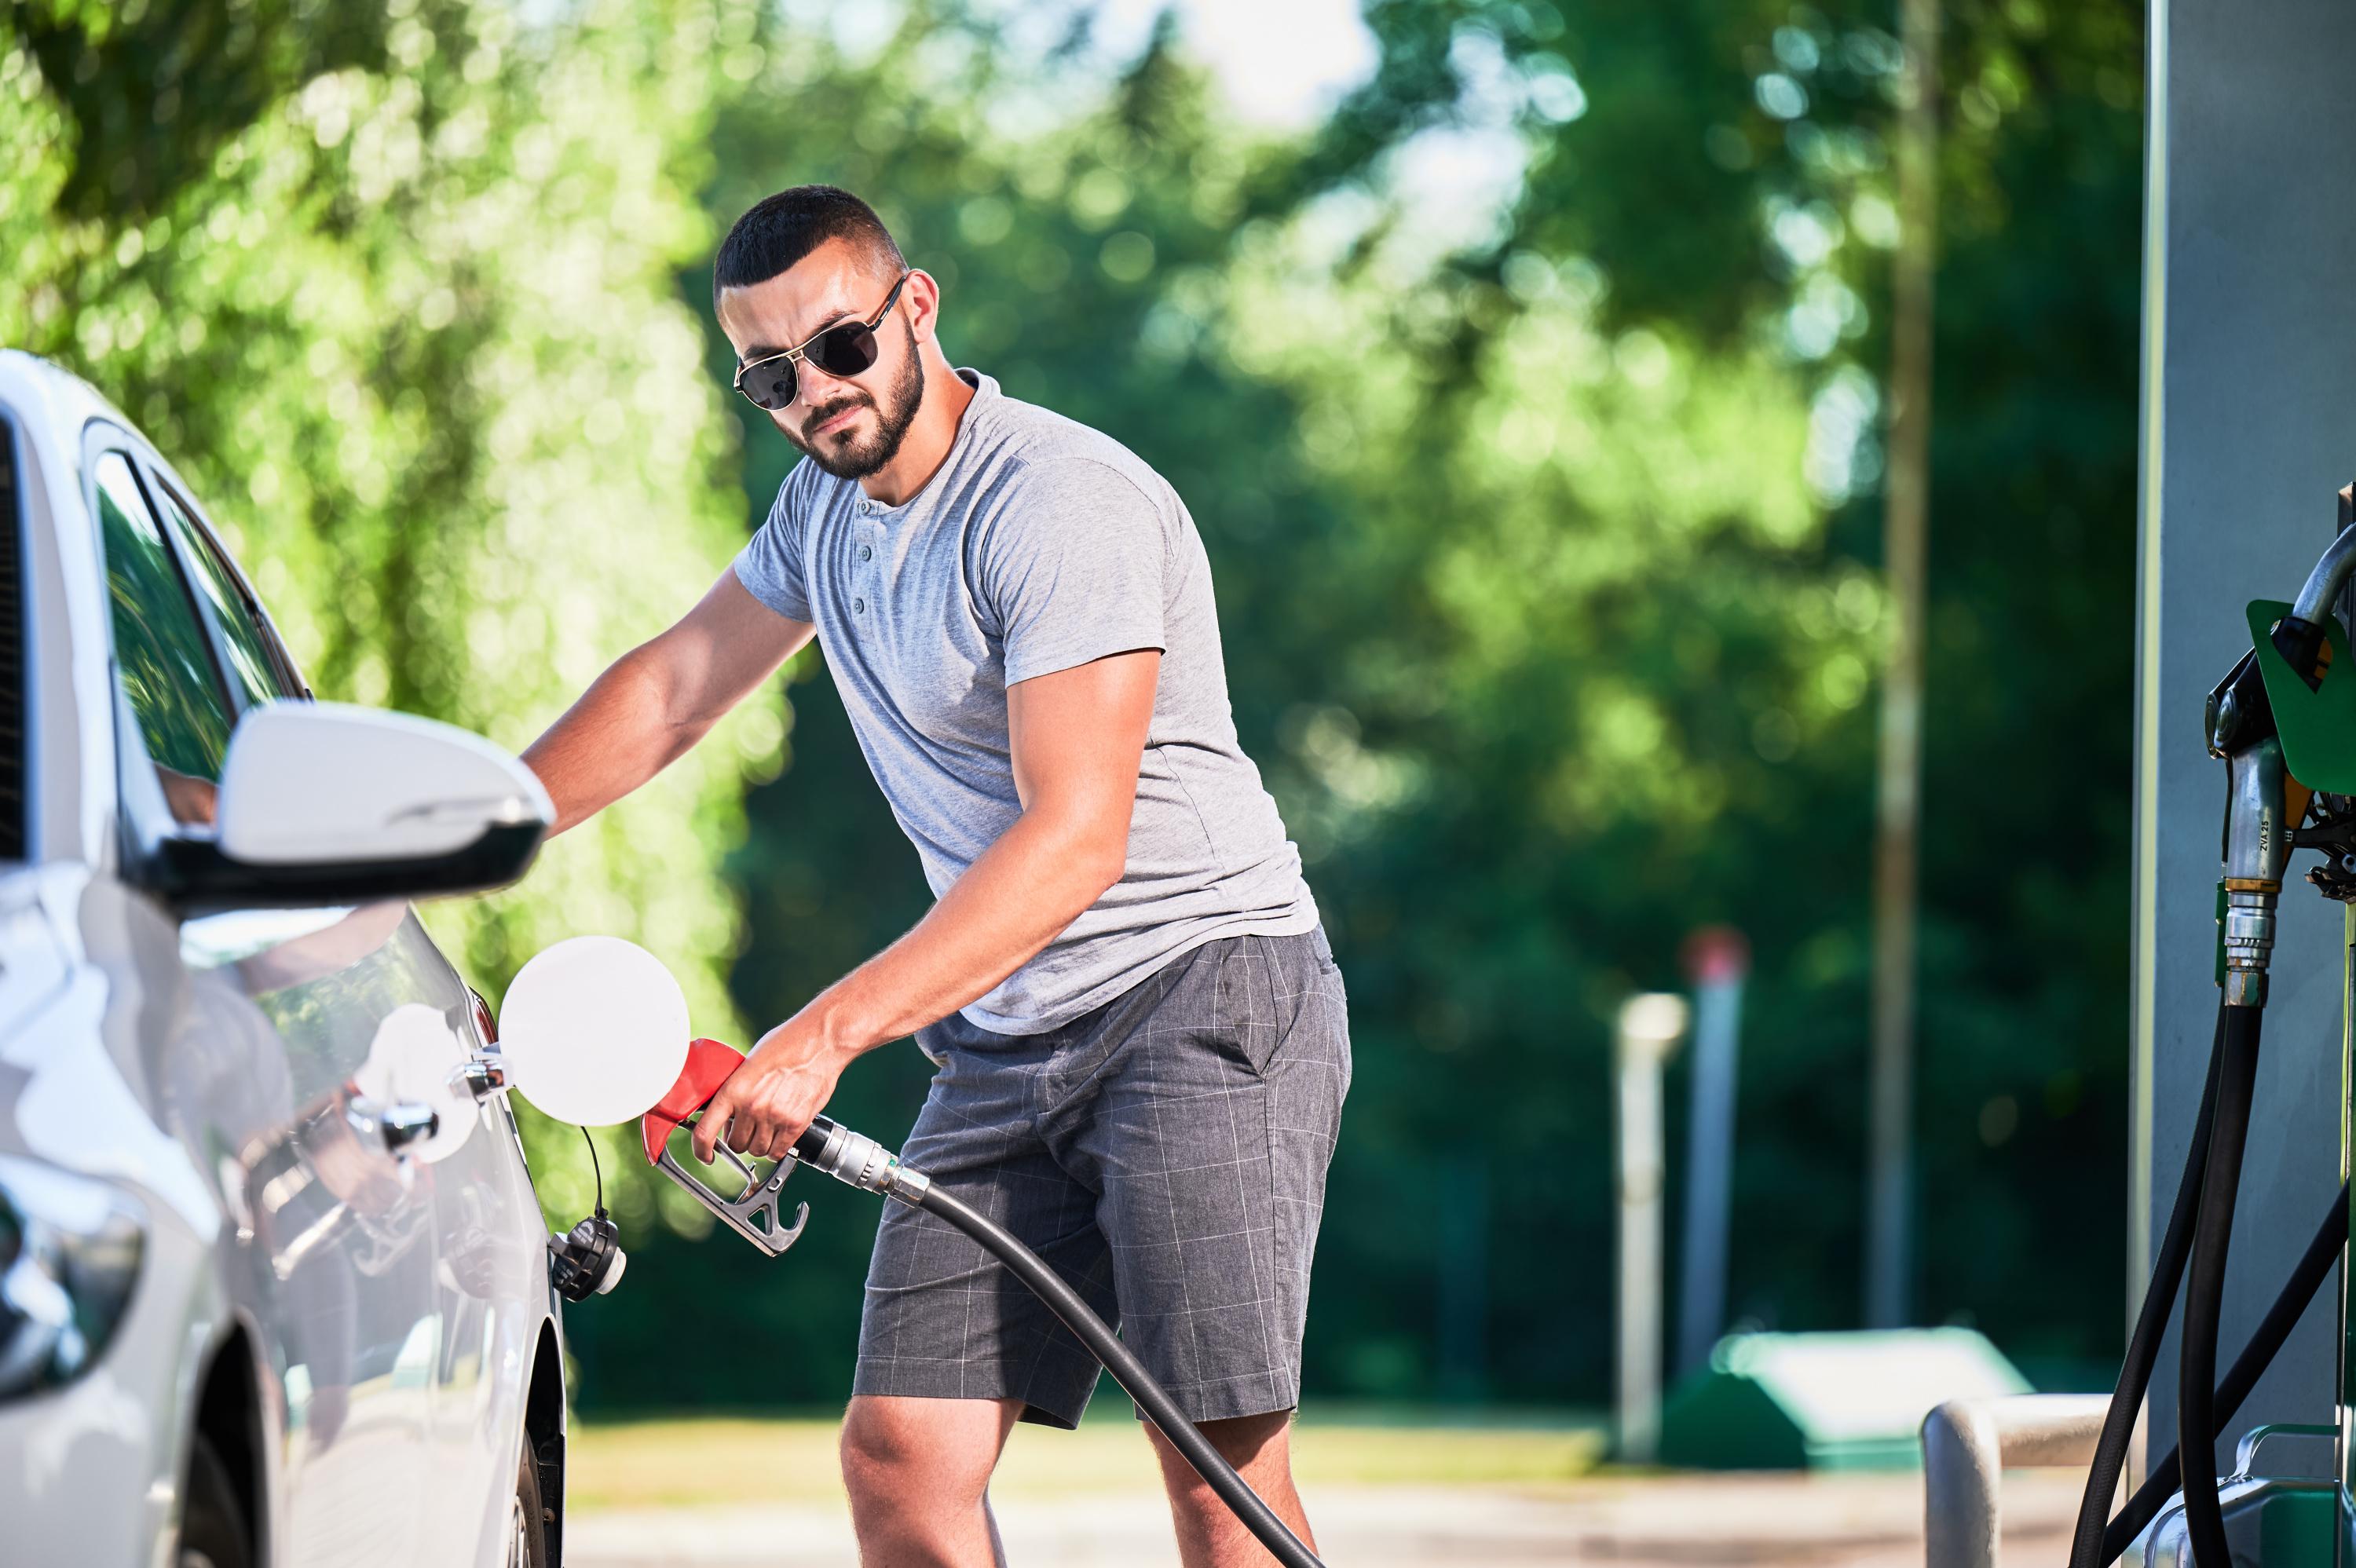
<point x="213" y="1533"/>
<point x="526" y="1516"/>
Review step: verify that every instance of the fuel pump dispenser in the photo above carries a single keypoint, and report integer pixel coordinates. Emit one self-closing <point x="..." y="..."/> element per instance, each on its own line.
<point x="2284" y="723"/>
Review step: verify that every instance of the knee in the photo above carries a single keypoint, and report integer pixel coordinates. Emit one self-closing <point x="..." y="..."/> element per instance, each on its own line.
<point x="889" y="1455"/>
<point x="876" y="1451"/>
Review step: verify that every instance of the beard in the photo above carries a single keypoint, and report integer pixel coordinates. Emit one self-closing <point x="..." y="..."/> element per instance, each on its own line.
<point x="847" y="457"/>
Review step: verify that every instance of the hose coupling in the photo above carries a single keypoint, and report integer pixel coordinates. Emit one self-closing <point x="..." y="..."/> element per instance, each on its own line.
<point x="860" y="1161"/>
<point x="2249" y="945"/>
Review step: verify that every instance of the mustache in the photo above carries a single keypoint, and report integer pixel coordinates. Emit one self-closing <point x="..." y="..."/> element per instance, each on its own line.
<point x="840" y="405"/>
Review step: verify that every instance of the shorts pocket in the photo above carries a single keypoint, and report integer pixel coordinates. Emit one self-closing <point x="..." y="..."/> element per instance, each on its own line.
<point x="1247" y="1023"/>
<point x="1317" y="1015"/>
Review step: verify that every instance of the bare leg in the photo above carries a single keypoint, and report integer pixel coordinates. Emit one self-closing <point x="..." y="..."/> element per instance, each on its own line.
<point x="1260" y="1448"/>
<point x="917" y="1471"/>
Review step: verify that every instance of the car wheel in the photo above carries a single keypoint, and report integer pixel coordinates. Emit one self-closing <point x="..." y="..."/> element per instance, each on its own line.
<point x="212" y="1524"/>
<point x="527" y="1536"/>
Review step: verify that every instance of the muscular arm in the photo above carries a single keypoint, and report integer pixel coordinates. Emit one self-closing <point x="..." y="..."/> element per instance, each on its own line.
<point x="1078" y="737"/>
<point x="660" y="699"/>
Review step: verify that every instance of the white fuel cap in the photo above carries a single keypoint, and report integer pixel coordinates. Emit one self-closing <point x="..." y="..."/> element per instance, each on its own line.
<point x="594" y="1031"/>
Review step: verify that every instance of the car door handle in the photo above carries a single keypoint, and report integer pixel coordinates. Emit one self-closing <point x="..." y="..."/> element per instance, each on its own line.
<point x="482" y="1076"/>
<point x="399" y="1126"/>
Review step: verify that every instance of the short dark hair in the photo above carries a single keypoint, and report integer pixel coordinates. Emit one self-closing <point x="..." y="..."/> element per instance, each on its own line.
<point x="778" y="230"/>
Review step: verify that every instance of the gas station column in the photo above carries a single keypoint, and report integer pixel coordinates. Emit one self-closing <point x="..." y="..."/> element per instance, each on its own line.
<point x="2249" y="429"/>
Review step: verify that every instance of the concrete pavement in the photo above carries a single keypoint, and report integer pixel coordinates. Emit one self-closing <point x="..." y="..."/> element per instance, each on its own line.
<point x="1604" y="1522"/>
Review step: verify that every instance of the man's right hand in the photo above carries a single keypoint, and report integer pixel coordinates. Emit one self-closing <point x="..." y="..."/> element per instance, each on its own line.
<point x="771" y="1100"/>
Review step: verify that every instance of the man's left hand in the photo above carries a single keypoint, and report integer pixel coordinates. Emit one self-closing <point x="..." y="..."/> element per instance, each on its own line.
<point x="769" y="1101"/>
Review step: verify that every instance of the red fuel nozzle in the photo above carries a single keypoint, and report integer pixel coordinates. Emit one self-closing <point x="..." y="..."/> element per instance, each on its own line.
<point x="709" y="1065"/>
<point x="754" y="1213"/>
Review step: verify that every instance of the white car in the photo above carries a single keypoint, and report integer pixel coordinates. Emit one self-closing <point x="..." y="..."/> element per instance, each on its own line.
<point x="274" y="1287"/>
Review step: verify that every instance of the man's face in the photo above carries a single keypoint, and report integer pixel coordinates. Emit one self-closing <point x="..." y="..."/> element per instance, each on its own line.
<point x="850" y="426"/>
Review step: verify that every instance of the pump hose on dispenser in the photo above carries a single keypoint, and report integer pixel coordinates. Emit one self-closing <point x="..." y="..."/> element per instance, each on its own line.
<point x="2089" y="1546"/>
<point x="2266" y="806"/>
<point x="2095" y="1543"/>
<point x="2204" y="1291"/>
<point x="2272" y="1331"/>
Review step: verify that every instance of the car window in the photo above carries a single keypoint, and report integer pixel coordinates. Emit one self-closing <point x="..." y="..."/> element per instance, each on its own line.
<point x="252" y="668"/>
<point x="161" y="655"/>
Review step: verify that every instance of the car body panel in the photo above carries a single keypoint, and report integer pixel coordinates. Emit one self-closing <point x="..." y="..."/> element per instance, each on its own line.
<point x="221" y="1071"/>
<point x="69" y="728"/>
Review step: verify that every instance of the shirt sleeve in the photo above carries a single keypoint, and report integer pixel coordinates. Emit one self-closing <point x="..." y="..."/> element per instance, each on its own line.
<point x="770" y="564"/>
<point x="1074" y="568"/>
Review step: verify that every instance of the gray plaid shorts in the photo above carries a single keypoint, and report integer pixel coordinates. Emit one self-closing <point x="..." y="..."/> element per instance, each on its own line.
<point x="1165" y="1154"/>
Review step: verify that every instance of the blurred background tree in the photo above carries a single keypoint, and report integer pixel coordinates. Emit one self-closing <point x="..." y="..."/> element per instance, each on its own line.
<point x="1724" y="170"/>
<point x="1528" y="405"/>
<point x="394" y="288"/>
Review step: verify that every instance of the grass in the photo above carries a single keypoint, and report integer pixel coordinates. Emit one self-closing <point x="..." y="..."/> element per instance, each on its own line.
<point x="738" y="1460"/>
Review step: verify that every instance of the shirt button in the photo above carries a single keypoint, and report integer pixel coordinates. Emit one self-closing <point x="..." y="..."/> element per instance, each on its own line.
<point x="867" y="552"/>
<point x="859" y="607"/>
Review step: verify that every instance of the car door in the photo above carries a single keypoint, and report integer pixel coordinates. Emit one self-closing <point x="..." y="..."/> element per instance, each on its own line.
<point x="335" y="1225"/>
<point x="378" y="974"/>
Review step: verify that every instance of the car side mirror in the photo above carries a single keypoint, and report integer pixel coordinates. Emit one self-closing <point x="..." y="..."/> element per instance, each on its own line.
<point x="324" y="803"/>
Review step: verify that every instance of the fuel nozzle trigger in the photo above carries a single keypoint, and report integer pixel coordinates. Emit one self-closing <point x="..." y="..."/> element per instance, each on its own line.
<point x="753" y="1213"/>
<point x="756" y="1212"/>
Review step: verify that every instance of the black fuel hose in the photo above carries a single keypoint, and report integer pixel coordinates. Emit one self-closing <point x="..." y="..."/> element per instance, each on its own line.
<point x="2089" y="1546"/>
<point x="2290" y="1304"/>
<point x="1129" y="1372"/>
<point x="2204" y="1291"/>
<point x="852" y="1158"/>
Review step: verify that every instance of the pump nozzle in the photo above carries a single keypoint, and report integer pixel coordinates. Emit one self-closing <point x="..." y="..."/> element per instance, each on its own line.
<point x="2258" y="827"/>
<point x="754" y="1213"/>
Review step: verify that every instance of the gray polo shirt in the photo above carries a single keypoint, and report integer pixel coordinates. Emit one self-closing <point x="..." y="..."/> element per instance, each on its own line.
<point x="1038" y="546"/>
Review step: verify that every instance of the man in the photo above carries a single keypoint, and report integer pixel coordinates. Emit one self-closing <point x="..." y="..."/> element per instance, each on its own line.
<point x="1139" y="1029"/>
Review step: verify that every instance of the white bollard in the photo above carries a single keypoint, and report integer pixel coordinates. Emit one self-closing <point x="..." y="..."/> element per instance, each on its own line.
<point x="1650" y="1025"/>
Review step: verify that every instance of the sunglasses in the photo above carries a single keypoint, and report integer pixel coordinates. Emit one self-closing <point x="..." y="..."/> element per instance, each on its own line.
<point x="844" y="349"/>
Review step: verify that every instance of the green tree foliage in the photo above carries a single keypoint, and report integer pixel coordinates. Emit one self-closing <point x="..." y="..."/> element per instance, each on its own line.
<point x="1724" y="171"/>
<point x="154" y="90"/>
<point x="1545" y="530"/>
<point x="399" y="303"/>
